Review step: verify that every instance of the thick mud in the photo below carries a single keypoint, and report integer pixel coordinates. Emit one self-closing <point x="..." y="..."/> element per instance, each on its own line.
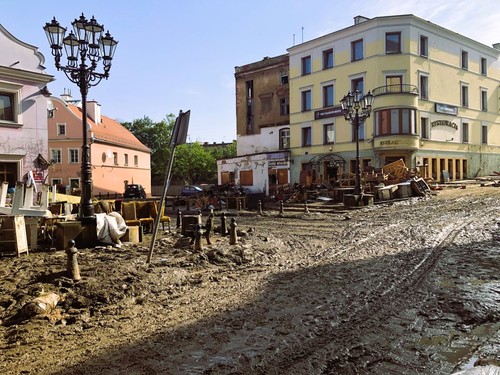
<point x="409" y="287"/>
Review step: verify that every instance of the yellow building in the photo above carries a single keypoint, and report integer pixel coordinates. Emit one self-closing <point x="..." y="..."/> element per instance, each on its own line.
<point x="436" y="100"/>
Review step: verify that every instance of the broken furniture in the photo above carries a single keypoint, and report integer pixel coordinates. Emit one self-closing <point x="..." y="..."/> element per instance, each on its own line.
<point x="163" y="218"/>
<point x="13" y="238"/>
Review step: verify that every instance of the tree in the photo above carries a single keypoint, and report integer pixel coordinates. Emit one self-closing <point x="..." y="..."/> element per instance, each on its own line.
<point x="223" y="152"/>
<point x="157" y="137"/>
<point x="193" y="164"/>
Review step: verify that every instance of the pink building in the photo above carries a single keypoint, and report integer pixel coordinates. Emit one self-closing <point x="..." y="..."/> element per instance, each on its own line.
<point x="116" y="155"/>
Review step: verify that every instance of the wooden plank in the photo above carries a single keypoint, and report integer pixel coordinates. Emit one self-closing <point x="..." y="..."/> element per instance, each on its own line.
<point x="20" y="235"/>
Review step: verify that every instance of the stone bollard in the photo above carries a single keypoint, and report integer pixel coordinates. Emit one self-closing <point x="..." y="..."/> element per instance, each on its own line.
<point x="260" y="208"/>
<point x="233" y="237"/>
<point x="281" y="208"/>
<point x="240" y="205"/>
<point x="72" y="261"/>
<point x="223" y="228"/>
<point x="198" y="245"/>
<point x="306" y="208"/>
<point x="179" y="218"/>
<point x="209" y="227"/>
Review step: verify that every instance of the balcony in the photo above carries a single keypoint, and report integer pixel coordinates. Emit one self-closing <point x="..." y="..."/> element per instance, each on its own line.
<point x="395" y="89"/>
<point x="395" y="95"/>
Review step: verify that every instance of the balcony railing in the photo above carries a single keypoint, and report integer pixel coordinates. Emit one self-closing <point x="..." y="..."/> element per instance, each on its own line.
<point x="395" y="89"/>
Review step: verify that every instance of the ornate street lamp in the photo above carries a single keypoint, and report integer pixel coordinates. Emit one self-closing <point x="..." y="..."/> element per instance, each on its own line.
<point x="356" y="109"/>
<point x="85" y="46"/>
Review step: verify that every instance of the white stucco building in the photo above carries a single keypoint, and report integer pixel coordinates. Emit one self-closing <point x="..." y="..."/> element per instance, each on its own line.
<point x="23" y="110"/>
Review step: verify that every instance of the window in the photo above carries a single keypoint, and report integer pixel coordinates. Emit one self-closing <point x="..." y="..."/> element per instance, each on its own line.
<point x="424" y="127"/>
<point x="484" y="66"/>
<point x="249" y="92"/>
<point x="464" y="60"/>
<point x="328" y="59"/>
<point x="246" y="178"/>
<point x="465" y="95"/>
<point x="328" y="133"/>
<point x="306" y="136"/>
<point x="424" y="46"/>
<point x="396" y="121"/>
<point x="424" y="87"/>
<point x="357" y="84"/>
<point x="465" y="132"/>
<point x="74" y="183"/>
<point x="7" y="106"/>
<point x="284" y="77"/>
<point x="55" y="155"/>
<point x="74" y="155"/>
<point x="357" y="50"/>
<point x="115" y="158"/>
<point x="306" y="65"/>
<point x="484" y="134"/>
<point x="394" y="83"/>
<point x="484" y="100"/>
<point x="306" y="100"/>
<point x="284" y="138"/>
<point x="61" y="129"/>
<point x="136" y="161"/>
<point x="392" y="42"/>
<point x="284" y="106"/>
<point x="328" y="96"/>
<point x="126" y="159"/>
<point x="56" y="181"/>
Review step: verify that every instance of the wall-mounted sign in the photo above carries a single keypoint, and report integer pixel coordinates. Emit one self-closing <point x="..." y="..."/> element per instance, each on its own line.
<point x="328" y="112"/>
<point x="444" y="123"/>
<point x="446" y="109"/>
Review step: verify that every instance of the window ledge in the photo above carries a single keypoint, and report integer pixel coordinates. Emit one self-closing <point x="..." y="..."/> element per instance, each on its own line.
<point x="10" y="124"/>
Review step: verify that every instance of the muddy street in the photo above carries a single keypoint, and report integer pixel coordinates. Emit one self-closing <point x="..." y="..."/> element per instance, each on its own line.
<point x="407" y="287"/>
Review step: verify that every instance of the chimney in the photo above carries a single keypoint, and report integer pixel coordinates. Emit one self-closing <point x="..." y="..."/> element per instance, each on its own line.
<point x="66" y="95"/>
<point x="496" y="46"/>
<point x="94" y="111"/>
<point x="360" y="19"/>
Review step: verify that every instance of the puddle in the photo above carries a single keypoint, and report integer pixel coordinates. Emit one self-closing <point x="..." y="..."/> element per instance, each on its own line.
<point x="460" y="347"/>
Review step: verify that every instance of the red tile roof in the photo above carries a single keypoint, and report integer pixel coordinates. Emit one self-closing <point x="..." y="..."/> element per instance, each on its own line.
<point x="111" y="131"/>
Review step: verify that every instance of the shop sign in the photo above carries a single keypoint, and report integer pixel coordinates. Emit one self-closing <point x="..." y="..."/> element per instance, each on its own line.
<point x="397" y="142"/>
<point x="326" y="113"/>
<point x="446" y="109"/>
<point x="444" y="123"/>
<point x="278" y="163"/>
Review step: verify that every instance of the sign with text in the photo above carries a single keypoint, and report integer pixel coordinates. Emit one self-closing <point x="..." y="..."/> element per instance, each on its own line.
<point x="446" y="109"/>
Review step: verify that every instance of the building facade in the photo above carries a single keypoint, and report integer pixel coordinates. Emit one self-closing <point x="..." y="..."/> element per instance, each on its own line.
<point x="116" y="155"/>
<point x="263" y="128"/>
<point x="436" y="100"/>
<point x="23" y="111"/>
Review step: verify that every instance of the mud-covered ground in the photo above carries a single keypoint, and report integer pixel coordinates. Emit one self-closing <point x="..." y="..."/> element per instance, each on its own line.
<point x="408" y="287"/>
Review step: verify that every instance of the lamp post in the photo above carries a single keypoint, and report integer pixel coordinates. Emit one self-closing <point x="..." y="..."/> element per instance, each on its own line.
<point x="85" y="46"/>
<point x="356" y="109"/>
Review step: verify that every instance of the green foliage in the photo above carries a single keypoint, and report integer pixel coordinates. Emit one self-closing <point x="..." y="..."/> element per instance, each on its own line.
<point x="223" y="152"/>
<point x="194" y="164"/>
<point x="157" y="137"/>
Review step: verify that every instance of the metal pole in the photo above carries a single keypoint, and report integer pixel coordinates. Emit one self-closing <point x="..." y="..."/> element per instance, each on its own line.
<point x="162" y="202"/>
<point x="357" y="188"/>
<point x="86" y="207"/>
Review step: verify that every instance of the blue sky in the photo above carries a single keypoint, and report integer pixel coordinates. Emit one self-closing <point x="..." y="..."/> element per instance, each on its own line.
<point x="180" y="55"/>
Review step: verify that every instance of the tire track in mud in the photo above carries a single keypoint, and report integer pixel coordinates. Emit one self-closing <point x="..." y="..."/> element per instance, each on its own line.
<point x="381" y="302"/>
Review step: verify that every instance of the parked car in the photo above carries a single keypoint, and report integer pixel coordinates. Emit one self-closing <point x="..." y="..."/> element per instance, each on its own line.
<point x="134" y="191"/>
<point x="189" y="190"/>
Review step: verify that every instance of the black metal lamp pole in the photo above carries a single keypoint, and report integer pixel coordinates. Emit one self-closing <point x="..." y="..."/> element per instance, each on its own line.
<point x="356" y="109"/>
<point x="84" y="49"/>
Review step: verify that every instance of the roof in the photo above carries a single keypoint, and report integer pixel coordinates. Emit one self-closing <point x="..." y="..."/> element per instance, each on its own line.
<point x="111" y="131"/>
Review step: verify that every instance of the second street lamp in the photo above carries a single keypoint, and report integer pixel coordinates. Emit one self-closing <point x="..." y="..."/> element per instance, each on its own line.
<point x="356" y="109"/>
<point x="85" y="46"/>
